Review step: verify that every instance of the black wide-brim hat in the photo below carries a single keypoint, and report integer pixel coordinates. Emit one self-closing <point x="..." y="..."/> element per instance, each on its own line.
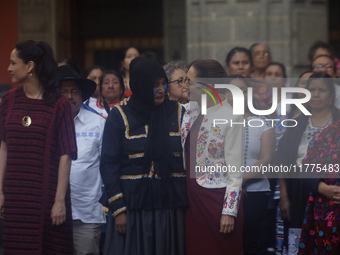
<point x="87" y="87"/>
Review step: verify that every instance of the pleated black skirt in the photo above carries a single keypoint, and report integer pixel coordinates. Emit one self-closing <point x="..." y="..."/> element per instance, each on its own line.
<point x="149" y="232"/>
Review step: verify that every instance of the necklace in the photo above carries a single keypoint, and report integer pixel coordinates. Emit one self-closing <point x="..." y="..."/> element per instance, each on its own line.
<point x="26" y="120"/>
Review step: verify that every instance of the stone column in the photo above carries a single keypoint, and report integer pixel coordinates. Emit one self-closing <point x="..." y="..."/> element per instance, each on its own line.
<point x="289" y="27"/>
<point x="174" y="27"/>
<point x="37" y="21"/>
<point x="309" y="23"/>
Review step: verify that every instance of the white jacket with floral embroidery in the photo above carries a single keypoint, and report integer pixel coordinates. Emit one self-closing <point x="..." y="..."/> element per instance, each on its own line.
<point x="221" y="145"/>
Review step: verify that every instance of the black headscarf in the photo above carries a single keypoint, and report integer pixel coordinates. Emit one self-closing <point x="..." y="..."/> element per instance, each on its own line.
<point x="144" y="73"/>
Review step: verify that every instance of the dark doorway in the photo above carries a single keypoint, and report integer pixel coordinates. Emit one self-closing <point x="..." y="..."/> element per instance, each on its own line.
<point x="334" y="25"/>
<point x="101" y="29"/>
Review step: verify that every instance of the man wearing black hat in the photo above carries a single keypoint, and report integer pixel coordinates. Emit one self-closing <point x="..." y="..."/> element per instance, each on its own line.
<point x="85" y="180"/>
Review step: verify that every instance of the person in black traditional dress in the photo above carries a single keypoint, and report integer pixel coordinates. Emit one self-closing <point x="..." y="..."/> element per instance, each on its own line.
<point x="37" y="146"/>
<point x="142" y="168"/>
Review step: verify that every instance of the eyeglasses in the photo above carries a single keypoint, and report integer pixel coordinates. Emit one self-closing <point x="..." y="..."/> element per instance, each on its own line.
<point x="181" y="81"/>
<point x="261" y="53"/>
<point x="322" y="67"/>
<point x="74" y="92"/>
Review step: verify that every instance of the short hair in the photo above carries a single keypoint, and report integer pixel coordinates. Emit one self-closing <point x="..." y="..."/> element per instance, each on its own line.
<point x="325" y="56"/>
<point x="119" y="76"/>
<point x="170" y="68"/>
<point x="317" y="45"/>
<point x="257" y="44"/>
<point x="235" y="50"/>
<point x="282" y="66"/>
<point x="327" y="79"/>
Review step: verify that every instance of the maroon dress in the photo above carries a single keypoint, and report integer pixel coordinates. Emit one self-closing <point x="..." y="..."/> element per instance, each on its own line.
<point x="202" y="219"/>
<point x="33" y="155"/>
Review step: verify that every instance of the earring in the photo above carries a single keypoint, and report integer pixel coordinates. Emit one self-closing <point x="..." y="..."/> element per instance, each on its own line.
<point x="30" y="75"/>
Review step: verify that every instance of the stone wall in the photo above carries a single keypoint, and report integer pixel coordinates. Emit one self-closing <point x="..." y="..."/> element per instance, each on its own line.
<point x="46" y="20"/>
<point x="174" y="27"/>
<point x="37" y="21"/>
<point x="195" y="29"/>
<point x="289" y="27"/>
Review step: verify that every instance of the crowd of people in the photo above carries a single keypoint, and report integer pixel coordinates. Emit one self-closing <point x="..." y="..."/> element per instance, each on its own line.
<point x="105" y="161"/>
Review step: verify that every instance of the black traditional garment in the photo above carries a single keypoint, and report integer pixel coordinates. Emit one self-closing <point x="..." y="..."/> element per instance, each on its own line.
<point x="142" y="167"/>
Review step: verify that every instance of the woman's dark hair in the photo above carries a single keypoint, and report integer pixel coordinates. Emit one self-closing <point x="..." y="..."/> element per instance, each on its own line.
<point x="72" y="63"/>
<point x="324" y="56"/>
<point x="251" y="49"/>
<point x="296" y="96"/>
<point x="317" y="45"/>
<point x="125" y="50"/>
<point x="309" y="71"/>
<point x="89" y="70"/>
<point x="209" y="68"/>
<point x="45" y="66"/>
<point x="119" y="76"/>
<point x="282" y="66"/>
<point x="325" y="78"/>
<point x="237" y="50"/>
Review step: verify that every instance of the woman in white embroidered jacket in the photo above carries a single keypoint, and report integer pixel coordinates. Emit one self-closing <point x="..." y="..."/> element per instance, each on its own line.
<point x="214" y="221"/>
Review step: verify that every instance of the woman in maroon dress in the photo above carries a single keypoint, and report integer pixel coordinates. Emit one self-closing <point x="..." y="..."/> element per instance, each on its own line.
<point x="37" y="145"/>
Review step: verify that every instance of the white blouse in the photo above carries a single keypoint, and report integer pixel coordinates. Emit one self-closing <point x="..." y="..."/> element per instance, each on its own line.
<point x="252" y="149"/>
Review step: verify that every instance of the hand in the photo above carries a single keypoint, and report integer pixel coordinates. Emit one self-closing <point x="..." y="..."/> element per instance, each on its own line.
<point x="336" y="197"/>
<point x="285" y="208"/>
<point x="58" y="212"/>
<point x="331" y="192"/>
<point x="2" y="200"/>
<point x="227" y="224"/>
<point x="121" y="223"/>
<point x="124" y="101"/>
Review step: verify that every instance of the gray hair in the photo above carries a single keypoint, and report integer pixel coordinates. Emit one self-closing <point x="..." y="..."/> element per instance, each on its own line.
<point x="170" y="68"/>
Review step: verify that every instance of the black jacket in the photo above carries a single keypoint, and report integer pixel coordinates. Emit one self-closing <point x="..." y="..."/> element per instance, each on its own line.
<point x="127" y="185"/>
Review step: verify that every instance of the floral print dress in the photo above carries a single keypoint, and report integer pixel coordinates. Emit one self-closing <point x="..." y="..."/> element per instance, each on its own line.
<point x="321" y="227"/>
